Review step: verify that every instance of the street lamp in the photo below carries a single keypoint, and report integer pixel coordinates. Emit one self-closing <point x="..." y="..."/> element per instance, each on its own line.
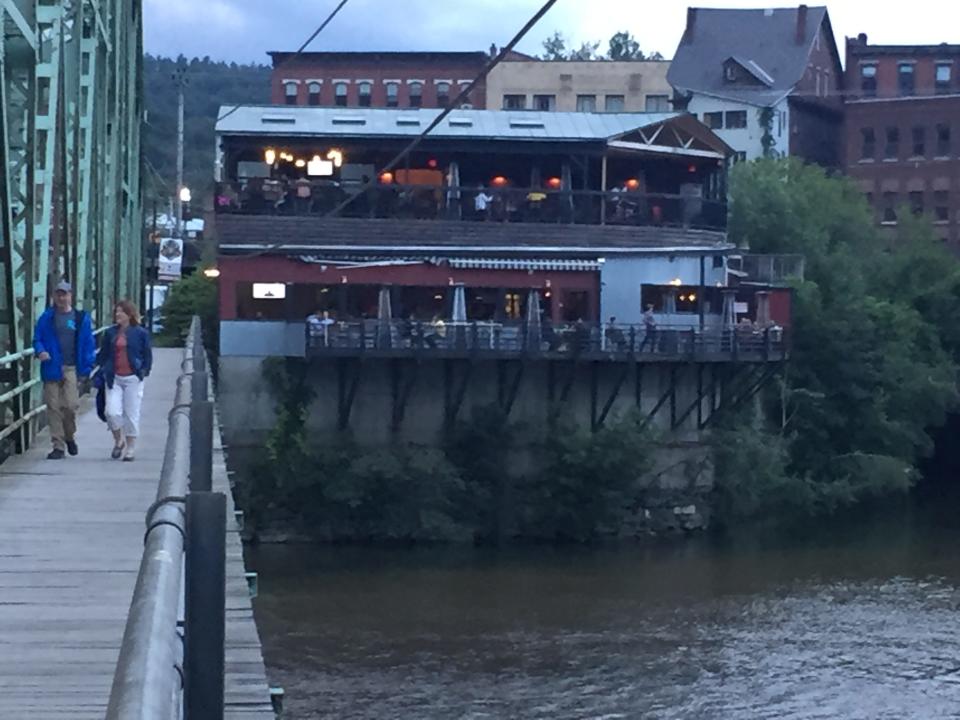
<point x="185" y="194"/>
<point x="211" y="272"/>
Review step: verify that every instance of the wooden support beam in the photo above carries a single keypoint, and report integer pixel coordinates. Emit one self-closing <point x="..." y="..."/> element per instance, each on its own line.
<point x="401" y="389"/>
<point x="348" y="376"/>
<point x="612" y="397"/>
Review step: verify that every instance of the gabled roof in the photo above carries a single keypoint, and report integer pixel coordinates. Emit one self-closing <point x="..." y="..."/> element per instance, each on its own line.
<point x="763" y="41"/>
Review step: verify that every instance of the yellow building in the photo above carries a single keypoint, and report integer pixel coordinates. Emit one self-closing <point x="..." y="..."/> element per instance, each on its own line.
<point x="580" y="86"/>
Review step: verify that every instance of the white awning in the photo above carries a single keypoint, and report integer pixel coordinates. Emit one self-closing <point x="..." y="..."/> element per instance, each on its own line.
<point x="523" y="264"/>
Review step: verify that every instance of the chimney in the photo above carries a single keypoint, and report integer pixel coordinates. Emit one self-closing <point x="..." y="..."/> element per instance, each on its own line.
<point x="493" y="50"/>
<point x="801" y="24"/>
<point x="862" y="39"/>
<point x="691" y="24"/>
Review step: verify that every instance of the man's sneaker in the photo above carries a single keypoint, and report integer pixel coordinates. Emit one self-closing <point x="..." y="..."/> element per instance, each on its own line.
<point x="72" y="447"/>
<point x="55" y="455"/>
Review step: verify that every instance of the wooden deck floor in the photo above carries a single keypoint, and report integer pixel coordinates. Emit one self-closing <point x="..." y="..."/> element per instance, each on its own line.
<point x="71" y="536"/>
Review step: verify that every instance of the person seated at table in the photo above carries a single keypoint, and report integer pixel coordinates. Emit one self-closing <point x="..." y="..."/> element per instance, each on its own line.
<point x="614" y="335"/>
<point x="438" y="331"/>
<point x="581" y="337"/>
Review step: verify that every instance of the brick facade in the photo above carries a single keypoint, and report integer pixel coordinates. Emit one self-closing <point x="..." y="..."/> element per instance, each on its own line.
<point x="903" y="131"/>
<point x="315" y="77"/>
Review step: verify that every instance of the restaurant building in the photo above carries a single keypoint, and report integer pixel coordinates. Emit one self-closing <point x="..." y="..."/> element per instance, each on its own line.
<point x="502" y="238"/>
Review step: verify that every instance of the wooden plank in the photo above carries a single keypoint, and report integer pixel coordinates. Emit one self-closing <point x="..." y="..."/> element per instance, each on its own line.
<point x="71" y="535"/>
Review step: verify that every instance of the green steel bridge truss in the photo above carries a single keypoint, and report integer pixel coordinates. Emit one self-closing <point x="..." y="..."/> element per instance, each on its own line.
<point x="71" y="99"/>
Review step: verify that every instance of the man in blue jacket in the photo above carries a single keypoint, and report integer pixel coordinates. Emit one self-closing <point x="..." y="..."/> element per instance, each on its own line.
<point x="64" y="344"/>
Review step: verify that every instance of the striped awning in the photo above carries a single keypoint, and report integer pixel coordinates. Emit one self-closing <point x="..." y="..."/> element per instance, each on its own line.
<point x="559" y="265"/>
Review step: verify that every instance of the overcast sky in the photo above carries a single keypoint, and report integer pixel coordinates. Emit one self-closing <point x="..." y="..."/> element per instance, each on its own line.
<point x="244" y="30"/>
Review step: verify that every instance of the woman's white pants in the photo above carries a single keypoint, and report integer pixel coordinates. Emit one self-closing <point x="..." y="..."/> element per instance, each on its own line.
<point x="123" y="404"/>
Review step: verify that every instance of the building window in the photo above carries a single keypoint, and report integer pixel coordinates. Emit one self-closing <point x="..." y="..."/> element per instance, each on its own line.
<point x="443" y="94"/>
<point x="889" y="207"/>
<point x="892" y="149"/>
<point x="393" y="94"/>
<point x="916" y="202"/>
<point x="868" y="196"/>
<point x="919" y="142"/>
<point x="546" y="103"/>
<point x="340" y="94"/>
<point x="905" y="78"/>
<point x="868" y="146"/>
<point x="713" y="120"/>
<point x="290" y="91"/>
<point x="736" y="119"/>
<point x="586" y="103"/>
<point x="941" y="206"/>
<point x="729" y="73"/>
<point x="466" y="98"/>
<point x="658" y="103"/>
<point x="514" y="102"/>
<point x="868" y="80"/>
<point x="943" y="140"/>
<point x="943" y="78"/>
<point x="739" y="156"/>
<point x="614" y="103"/>
<point x="365" y="92"/>
<point x="416" y="94"/>
<point x="313" y="93"/>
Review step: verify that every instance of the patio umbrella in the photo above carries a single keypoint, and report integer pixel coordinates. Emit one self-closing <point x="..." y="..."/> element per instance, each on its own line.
<point x="384" y="309"/>
<point x="459" y="314"/>
<point x="384" y="315"/>
<point x="533" y="319"/>
<point x="453" y="188"/>
<point x="729" y="316"/>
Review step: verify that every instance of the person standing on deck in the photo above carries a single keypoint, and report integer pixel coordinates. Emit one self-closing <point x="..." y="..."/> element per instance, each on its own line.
<point x="64" y="345"/>
<point x="125" y="359"/>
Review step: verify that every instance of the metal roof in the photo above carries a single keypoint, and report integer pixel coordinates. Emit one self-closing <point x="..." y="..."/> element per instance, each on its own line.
<point x="300" y="121"/>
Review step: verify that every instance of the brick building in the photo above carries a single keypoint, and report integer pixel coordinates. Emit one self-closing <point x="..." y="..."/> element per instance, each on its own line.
<point x="903" y="131"/>
<point x="376" y="79"/>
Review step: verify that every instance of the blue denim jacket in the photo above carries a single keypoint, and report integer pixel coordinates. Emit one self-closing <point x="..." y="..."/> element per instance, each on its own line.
<point x="138" y="352"/>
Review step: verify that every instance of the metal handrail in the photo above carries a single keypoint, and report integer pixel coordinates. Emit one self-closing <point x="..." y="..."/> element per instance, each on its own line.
<point x="148" y="683"/>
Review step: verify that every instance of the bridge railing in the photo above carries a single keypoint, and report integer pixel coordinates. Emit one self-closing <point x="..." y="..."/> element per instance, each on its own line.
<point x="162" y="674"/>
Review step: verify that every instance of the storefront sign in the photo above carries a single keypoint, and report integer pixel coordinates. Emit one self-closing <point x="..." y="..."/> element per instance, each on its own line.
<point x="170" y="259"/>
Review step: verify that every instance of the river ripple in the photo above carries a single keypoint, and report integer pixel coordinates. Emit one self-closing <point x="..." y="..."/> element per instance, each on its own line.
<point x="861" y="623"/>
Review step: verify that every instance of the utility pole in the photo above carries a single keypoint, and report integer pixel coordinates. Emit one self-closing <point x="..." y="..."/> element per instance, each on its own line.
<point x="180" y="78"/>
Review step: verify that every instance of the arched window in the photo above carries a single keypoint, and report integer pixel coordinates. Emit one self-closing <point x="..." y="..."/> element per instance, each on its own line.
<point x="290" y="91"/>
<point x="314" y="93"/>
<point x="340" y="94"/>
<point x="416" y="94"/>
<point x="365" y="89"/>
<point x="443" y="94"/>
<point x="393" y="92"/>
<point x="466" y="100"/>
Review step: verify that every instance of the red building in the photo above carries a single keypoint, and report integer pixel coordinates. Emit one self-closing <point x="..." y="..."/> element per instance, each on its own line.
<point x="376" y="79"/>
<point x="903" y="131"/>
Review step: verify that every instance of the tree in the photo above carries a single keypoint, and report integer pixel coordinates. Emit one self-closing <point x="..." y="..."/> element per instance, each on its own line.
<point x="555" y="47"/>
<point x="870" y="372"/>
<point x="623" y="46"/>
<point x="586" y="51"/>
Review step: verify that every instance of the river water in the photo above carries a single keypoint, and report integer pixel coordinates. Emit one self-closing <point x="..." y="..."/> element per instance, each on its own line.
<point x="855" y="620"/>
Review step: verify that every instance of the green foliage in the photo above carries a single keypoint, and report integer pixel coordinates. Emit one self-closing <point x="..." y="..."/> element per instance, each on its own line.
<point x="621" y="46"/>
<point x="195" y="294"/>
<point x="209" y="85"/>
<point x="873" y="363"/>
<point x="624" y="46"/>
<point x="579" y="488"/>
<point x="767" y="140"/>
<point x="584" y="481"/>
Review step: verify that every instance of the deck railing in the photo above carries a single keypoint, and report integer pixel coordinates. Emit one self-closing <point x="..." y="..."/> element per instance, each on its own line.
<point x="162" y="674"/>
<point x="511" y="205"/>
<point x="505" y="339"/>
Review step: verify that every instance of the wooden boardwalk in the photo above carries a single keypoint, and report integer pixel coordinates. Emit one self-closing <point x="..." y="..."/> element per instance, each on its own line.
<point x="71" y="537"/>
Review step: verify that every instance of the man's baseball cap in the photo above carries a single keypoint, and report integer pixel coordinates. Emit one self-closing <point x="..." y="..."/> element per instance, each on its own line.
<point x="64" y="286"/>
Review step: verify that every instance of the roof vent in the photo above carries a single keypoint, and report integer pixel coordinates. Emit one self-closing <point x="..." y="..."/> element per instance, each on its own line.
<point x="460" y="122"/>
<point x="528" y="124"/>
<point x="408" y="121"/>
<point x="348" y="120"/>
<point x="278" y="119"/>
